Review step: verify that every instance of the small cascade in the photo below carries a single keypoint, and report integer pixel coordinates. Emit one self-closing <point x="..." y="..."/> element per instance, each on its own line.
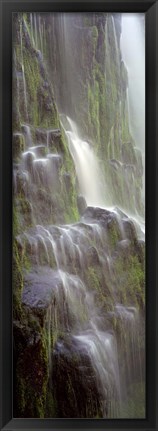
<point x="133" y="53"/>
<point x="61" y="257"/>
<point x="28" y="136"/>
<point x="116" y="43"/>
<point x="91" y="180"/>
<point x="82" y="276"/>
<point x="23" y="74"/>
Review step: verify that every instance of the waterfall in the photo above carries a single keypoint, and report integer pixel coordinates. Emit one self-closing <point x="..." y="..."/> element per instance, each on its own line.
<point x="133" y="53"/>
<point x="83" y="279"/>
<point x="91" y="180"/>
<point x="55" y="251"/>
<point x="23" y="74"/>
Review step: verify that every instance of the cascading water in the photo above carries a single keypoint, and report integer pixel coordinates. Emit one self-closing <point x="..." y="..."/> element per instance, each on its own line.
<point x="91" y="180"/>
<point x="79" y="271"/>
<point x="23" y="75"/>
<point x="133" y="54"/>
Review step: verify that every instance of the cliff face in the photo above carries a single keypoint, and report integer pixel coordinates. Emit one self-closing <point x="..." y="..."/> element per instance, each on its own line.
<point x="64" y="273"/>
<point x="90" y="84"/>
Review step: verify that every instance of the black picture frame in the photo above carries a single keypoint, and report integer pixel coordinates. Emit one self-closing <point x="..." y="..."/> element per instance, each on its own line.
<point x="150" y="8"/>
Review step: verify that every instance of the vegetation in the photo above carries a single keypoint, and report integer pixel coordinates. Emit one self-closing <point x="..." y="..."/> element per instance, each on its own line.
<point x="111" y="269"/>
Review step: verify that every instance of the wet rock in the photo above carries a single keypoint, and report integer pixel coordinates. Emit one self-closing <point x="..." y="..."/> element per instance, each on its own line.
<point x="128" y="153"/>
<point x="18" y="144"/>
<point x="29" y="157"/>
<point x="74" y="381"/>
<point x="130" y="169"/>
<point x="39" y="150"/>
<point x="56" y="161"/>
<point x="115" y="163"/>
<point x="67" y="180"/>
<point x="95" y="214"/>
<point x="139" y="164"/>
<point x="40" y="172"/>
<point x="114" y="230"/>
<point x="27" y="130"/>
<point x="92" y="256"/>
<point x="130" y="230"/>
<point x="21" y="183"/>
<point x="39" y="288"/>
<point x="55" y="140"/>
<point x="81" y="204"/>
<point x="27" y="40"/>
<point x="24" y="207"/>
<point x="140" y="249"/>
<point x="32" y="372"/>
<point x="123" y="249"/>
<point x="41" y="136"/>
<point x="21" y="334"/>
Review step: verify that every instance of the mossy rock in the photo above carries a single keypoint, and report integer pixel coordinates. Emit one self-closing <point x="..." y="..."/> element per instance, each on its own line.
<point x="114" y="231"/>
<point x="18" y="145"/>
<point x="31" y="380"/>
<point x="128" y="153"/>
<point x="74" y="382"/>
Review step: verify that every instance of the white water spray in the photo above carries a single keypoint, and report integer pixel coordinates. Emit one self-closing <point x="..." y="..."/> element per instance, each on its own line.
<point x="91" y="181"/>
<point x="133" y="53"/>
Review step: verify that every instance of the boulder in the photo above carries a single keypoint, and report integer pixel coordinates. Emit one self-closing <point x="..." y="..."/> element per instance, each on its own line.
<point x="95" y="214"/>
<point x="39" y="288"/>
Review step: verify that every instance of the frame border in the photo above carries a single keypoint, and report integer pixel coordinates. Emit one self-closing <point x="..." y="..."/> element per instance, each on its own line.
<point x="150" y="8"/>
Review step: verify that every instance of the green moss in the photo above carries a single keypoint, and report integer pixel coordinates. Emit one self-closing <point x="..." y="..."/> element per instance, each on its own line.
<point x="114" y="234"/>
<point x="51" y="406"/>
<point x="131" y="280"/>
<point x="18" y="145"/>
<point x="17" y="280"/>
<point x="32" y="380"/>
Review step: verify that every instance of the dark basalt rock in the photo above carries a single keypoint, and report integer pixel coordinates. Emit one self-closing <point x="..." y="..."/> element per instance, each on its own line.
<point x="39" y="288"/>
<point x="81" y="204"/>
<point x="74" y="381"/>
<point x="41" y="136"/>
<point x="95" y="214"/>
<point x="55" y="140"/>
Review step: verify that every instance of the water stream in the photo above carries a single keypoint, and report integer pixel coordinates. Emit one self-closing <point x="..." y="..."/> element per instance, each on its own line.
<point x="60" y="255"/>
